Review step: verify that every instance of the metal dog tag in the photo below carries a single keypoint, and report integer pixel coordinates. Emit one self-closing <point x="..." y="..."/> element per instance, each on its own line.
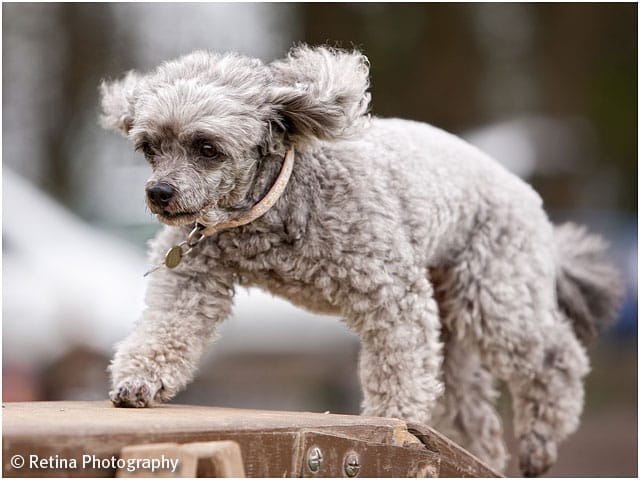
<point x="173" y="257"/>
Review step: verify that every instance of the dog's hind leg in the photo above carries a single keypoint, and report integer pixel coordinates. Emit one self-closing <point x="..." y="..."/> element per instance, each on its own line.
<point x="401" y="354"/>
<point x="502" y="298"/>
<point x="527" y="343"/>
<point x="466" y="411"/>
<point x="548" y="399"/>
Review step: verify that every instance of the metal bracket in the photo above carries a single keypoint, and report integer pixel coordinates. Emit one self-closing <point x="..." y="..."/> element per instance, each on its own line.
<point x="321" y="454"/>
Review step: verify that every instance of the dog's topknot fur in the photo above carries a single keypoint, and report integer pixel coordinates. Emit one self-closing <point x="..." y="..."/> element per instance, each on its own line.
<point x="313" y="94"/>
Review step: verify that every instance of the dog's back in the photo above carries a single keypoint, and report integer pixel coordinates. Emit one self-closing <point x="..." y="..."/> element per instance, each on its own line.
<point x="433" y="186"/>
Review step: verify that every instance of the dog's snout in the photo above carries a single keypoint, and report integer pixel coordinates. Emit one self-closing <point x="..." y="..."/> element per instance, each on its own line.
<point x="160" y="193"/>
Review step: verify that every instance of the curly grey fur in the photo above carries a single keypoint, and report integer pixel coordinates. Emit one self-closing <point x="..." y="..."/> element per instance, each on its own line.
<point x="322" y="93"/>
<point x="443" y="262"/>
<point x="117" y="103"/>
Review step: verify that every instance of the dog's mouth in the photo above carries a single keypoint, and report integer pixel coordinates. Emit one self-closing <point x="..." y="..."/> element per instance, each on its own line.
<point x="177" y="218"/>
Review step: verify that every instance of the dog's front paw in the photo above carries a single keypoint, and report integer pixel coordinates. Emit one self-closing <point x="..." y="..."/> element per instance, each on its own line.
<point x="134" y="393"/>
<point x="537" y="454"/>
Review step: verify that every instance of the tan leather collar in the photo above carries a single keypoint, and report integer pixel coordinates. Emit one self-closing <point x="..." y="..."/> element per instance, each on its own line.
<point x="263" y="206"/>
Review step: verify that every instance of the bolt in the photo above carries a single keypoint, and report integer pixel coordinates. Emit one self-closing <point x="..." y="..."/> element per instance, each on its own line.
<point x="352" y="464"/>
<point x="315" y="459"/>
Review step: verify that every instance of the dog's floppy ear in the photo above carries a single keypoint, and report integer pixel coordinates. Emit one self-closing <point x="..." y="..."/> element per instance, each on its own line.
<point x="319" y="93"/>
<point x="117" y="99"/>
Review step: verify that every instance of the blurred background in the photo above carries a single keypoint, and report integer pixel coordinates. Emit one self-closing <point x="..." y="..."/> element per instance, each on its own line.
<point x="550" y="90"/>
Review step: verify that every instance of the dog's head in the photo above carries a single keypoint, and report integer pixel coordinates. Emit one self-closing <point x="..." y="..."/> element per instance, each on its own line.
<point x="204" y="121"/>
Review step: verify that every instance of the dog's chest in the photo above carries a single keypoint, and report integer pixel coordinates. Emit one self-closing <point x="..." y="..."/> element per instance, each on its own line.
<point x="280" y="264"/>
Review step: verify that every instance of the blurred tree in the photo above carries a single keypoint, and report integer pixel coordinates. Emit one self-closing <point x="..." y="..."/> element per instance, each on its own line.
<point x="588" y="56"/>
<point x="460" y="66"/>
<point x="424" y="62"/>
<point x="87" y="31"/>
<point x="79" y="39"/>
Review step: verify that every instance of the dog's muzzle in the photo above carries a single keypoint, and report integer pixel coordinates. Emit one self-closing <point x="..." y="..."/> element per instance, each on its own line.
<point x="160" y="194"/>
<point x="200" y="231"/>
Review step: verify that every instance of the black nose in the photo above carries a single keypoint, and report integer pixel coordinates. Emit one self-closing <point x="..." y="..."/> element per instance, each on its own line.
<point x="160" y="193"/>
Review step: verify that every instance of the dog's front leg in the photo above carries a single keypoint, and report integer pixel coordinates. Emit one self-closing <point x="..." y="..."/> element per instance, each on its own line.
<point x="401" y="354"/>
<point x="184" y="306"/>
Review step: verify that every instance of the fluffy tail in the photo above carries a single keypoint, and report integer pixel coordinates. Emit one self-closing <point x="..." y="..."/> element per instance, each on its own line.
<point x="589" y="287"/>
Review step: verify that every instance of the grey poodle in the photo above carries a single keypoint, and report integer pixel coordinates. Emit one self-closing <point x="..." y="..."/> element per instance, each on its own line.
<point x="444" y="263"/>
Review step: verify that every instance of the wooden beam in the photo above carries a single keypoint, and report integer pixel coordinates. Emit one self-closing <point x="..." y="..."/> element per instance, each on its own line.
<point x="272" y="444"/>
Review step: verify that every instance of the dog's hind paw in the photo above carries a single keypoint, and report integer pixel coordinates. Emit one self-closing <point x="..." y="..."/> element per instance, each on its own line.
<point x="137" y="393"/>
<point x="537" y="454"/>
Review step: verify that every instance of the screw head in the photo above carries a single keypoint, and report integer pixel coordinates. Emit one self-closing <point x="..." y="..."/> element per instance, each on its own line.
<point x="352" y="464"/>
<point x="315" y="459"/>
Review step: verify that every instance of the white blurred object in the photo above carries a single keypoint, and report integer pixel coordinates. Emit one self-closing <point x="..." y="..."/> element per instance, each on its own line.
<point x="537" y="145"/>
<point x="268" y="324"/>
<point x="67" y="283"/>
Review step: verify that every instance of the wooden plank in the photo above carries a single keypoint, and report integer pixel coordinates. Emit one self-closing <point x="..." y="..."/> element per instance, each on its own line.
<point x="269" y="454"/>
<point x="267" y="439"/>
<point x="217" y="459"/>
<point x="271" y="442"/>
<point x="455" y="461"/>
<point x="159" y="460"/>
<point x="27" y="419"/>
<point x="199" y="459"/>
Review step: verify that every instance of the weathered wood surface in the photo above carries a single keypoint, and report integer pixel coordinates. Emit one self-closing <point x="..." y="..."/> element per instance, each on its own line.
<point x="273" y="444"/>
<point x="217" y="459"/>
<point x="221" y="459"/>
<point x="186" y="463"/>
<point x="455" y="462"/>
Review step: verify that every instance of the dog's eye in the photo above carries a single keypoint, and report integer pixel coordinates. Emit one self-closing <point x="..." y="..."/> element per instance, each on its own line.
<point x="208" y="151"/>
<point x="146" y="149"/>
